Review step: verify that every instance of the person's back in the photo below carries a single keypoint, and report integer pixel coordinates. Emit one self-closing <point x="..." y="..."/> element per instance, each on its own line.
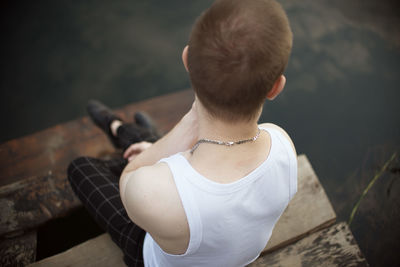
<point x="230" y="220"/>
<point x="211" y="191"/>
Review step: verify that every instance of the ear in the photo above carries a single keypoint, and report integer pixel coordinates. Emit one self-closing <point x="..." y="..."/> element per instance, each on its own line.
<point x="277" y="88"/>
<point x="185" y="57"/>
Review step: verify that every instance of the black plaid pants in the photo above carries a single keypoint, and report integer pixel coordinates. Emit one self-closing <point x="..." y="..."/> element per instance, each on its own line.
<point x="96" y="183"/>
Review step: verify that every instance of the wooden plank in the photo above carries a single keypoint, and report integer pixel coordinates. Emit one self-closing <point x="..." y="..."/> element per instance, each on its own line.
<point x="29" y="203"/>
<point x="334" y="246"/>
<point x="97" y="252"/>
<point x="40" y="190"/>
<point x="18" y="251"/>
<point x="52" y="149"/>
<point x="309" y="210"/>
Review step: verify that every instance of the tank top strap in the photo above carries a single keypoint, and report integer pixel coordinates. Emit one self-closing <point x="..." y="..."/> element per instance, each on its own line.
<point x="178" y="169"/>
<point x="281" y="144"/>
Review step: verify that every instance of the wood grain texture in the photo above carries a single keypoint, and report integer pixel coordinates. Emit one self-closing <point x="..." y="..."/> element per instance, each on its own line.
<point x="39" y="190"/>
<point x="308" y="211"/>
<point x="19" y="250"/>
<point x="31" y="202"/>
<point x="334" y="246"/>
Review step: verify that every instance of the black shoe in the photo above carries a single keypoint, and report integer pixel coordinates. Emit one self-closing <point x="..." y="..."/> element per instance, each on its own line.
<point x="102" y="116"/>
<point x="144" y="120"/>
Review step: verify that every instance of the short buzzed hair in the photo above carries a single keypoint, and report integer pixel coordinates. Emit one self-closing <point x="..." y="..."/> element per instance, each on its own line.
<point x="237" y="50"/>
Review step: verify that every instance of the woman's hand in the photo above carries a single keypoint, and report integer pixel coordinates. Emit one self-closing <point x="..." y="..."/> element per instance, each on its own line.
<point x="135" y="149"/>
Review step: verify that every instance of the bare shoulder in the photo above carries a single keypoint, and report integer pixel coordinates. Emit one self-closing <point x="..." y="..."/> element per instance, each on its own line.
<point x="274" y="126"/>
<point x="149" y="192"/>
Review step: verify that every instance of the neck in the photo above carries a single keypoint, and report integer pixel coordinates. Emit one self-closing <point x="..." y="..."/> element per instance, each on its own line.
<point x="215" y="129"/>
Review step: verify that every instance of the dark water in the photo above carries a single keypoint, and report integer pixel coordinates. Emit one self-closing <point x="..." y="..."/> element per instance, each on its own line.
<point x="341" y="103"/>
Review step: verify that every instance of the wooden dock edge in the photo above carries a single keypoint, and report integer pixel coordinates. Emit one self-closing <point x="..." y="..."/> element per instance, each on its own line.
<point x="333" y="246"/>
<point x="309" y="211"/>
<point x="301" y="218"/>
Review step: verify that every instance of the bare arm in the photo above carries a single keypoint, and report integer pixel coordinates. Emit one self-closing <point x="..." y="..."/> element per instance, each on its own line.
<point x="181" y="138"/>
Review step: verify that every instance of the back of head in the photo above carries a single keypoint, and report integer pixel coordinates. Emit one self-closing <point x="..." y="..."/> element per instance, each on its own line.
<point x="237" y="50"/>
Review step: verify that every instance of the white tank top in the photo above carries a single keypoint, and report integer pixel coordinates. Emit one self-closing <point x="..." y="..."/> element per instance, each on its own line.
<point x="230" y="224"/>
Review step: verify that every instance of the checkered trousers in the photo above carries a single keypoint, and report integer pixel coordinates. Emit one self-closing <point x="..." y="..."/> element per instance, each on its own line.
<point x="96" y="183"/>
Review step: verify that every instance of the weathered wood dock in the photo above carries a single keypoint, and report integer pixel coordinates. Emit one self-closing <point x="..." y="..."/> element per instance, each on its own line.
<point x="34" y="190"/>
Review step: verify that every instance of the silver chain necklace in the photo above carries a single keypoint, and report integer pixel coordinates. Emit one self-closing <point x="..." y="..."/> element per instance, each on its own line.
<point x="231" y="143"/>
